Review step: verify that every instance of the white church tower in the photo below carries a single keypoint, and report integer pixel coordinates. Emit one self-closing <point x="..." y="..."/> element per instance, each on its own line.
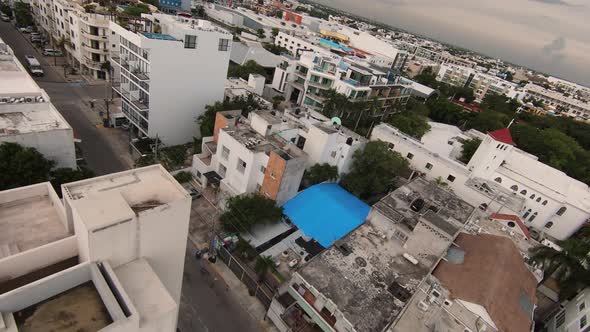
<point x="492" y="151"/>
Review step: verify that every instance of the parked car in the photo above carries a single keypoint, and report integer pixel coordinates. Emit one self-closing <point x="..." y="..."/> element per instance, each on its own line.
<point x="4" y="18"/>
<point x="51" y="52"/>
<point x="28" y="29"/>
<point x="195" y="194"/>
<point x="37" y="38"/>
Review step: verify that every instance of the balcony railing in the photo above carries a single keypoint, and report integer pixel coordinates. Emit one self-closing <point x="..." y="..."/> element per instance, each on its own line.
<point x="140" y="104"/>
<point x="91" y="63"/>
<point x="95" y="50"/>
<point x="95" y="37"/>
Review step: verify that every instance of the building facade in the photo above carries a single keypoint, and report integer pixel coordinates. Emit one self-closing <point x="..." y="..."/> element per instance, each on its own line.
<point x="560" y="102"/>
<point x="573" y="316"/>
<point x="194" y="54"/>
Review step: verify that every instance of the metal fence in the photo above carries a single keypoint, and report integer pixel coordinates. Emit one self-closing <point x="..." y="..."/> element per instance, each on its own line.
<point x="260" y="290"/>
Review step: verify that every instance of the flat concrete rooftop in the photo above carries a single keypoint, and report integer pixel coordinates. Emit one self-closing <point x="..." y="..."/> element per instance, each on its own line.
<point x="77" y="309"/>
<point x="37" y="120"/>
<point x="29" y="223"/>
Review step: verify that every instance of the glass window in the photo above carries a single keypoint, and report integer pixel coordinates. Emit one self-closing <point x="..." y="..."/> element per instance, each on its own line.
<point x="582" y="306"/>
<point x="241" y="166"/>
<point x="190" y="41"/>
<point x="262" y="169"/>
<point x="559" y="319"/>
<point x="410" y="155"/>
<point x="561" y="211"/>
<point x="549" y="224"/>
<point x="224" y="152"/>
<point x="429" y="166"/>
<point x="223" y="44"/>
<point x="450" y="178"/>
<point x="583" y="321"/>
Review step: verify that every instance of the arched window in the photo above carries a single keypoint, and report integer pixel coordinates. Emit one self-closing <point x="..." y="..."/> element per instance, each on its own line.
<point x="498" y="146"/>
<point x="538" y="199"/>
<point x="523" y="192"/>
<point x="514" y="187"/>
<point x="549" y="224"/>
<point x="544" y="202"/>
<point x="526" y="214"/>
<point x="533" y="216"/>
<point x="511" y="224"/>
<point x="561" y="211"/>
<point x="499" y="180"/>
<point x="532" y="196"/>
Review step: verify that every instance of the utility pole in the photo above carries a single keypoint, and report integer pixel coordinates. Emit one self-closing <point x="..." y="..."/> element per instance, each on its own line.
<point x="106" y="102"/>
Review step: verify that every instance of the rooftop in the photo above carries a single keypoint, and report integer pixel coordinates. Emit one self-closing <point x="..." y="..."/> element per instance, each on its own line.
<point x="502" y="135"/>
<point x="326" y="212"/>
<point x="159" y="36"/>
<point x="29" y="218"/>
<point x="32" y="120"/>
<point x="77" y="309"/>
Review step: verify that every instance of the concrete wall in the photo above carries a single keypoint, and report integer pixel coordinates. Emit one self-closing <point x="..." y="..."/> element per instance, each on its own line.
<point x="291" y="179"/>
<point x="573" y="314"/>
<point x="37" y="258"/>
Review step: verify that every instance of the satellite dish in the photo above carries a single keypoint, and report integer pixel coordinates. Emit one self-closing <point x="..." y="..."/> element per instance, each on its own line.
<point x="336" y="121"/>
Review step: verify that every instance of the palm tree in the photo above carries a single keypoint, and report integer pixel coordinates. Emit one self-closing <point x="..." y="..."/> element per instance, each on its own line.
<point x="263" y="264"/>
<point x="568" y="266"/>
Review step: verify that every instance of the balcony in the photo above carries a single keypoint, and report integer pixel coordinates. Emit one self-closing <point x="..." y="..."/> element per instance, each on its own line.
<point x="91" y="36"/>
<point x="88" y="48"/>
<point x="139" y="104"/>
<point x="323" y="319"/>
<point x="88" y="62"/>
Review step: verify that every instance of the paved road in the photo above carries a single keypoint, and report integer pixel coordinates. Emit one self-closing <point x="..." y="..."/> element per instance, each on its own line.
<point x="205" y="303"/>
<point x="71" y="100"/>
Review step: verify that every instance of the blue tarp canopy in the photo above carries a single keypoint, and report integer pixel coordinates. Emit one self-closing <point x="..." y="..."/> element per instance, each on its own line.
<point x="326" y="212"/>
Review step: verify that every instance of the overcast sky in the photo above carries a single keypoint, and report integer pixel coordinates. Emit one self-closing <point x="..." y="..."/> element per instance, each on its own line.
<point x="552" y="36"/>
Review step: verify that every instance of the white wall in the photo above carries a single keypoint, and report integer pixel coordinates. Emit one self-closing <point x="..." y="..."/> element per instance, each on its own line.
<point x="573" y="314"/>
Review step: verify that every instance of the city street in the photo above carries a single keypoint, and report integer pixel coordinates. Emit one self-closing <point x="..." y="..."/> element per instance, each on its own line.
<point x="72" y="100"/>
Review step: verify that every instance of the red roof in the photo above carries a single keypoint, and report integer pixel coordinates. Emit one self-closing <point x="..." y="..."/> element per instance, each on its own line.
<point x="502" y="135"/>
<point x="514" y="218"/>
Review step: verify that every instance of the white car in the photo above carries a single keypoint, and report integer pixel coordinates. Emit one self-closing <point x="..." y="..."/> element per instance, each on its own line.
<point x="51" y="52"/>
<point x="4" y="18"/>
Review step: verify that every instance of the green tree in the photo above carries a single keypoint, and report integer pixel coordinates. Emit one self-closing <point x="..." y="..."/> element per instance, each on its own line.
<point x="275" y="32"/>
<point x="244" y="211"/>
<point x="5" y="8"/>
<point x="469" y="148"/>
<point x="22" y="13"/>
<point x="336" y="104"/>
<point x="500" y="103"/>
<point x="244" y="71"/>
<point x="373" y="170"/>
<point x="568" y="266"/>
<point x="410" y="123"/>
<point x="22" y="166"/>
<point x="183" y="177"/>
<point x="417" y="107"/>
<point x="276" y="49"/>
<point x="263" y="264"/>
<point x="206" y="120"/>
<point x="319" y="173"/>
<point x="260" y="33"/>
<point x="509" y="76"/>
<point x="427" y="78"/>
<point x="137" y="9"/>
<point x="488" y="121"/>
<point x="60" y="176"/>
<point x="276" y="100"/>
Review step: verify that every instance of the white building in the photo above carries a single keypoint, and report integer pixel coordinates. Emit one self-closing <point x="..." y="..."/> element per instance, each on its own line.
<point x="85" y="29"/>
<point x="574" y="315"/>
<point x="297" y="43"/>
<point x="499" y="175"/>
<point x="563" y="104"/>
<point x="166" y="79"/>
<point x="28" y="118"/>
<point x="109" y="257"/>
<point x="481" y="83"/>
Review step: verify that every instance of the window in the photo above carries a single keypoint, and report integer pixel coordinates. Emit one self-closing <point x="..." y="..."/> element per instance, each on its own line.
<point x="223" y="44"/>
<point x="559" y="319"/>
<point x="582" y="306"/>
<point x="450" y="178"/>
<point x="410" y="156"/>
<point x="429" y="166"/>
<point x="526" y="214"/>
<point x="532" y="196"/>
<point x="262" y="169"/>
<point x="224" y="153"/>
<point x="544" y="202"/>
<point x="190" y="41"/>
<point x="222" y="170"/>
<point x="533" y="217"/>
<point x="390" y="146"/>
<point x="333" y="154"/>
<point x="241" y="166"/>
<point x="258" y="187"/>
<point x="499" y="180"/>
<point x="523" y="192"/>
<point x="538" y="199"/>
<point x="583" y="321"/>
<point x="514" y="188"/>
<point x="549" y="225"/>
<point x="561" y="211"/>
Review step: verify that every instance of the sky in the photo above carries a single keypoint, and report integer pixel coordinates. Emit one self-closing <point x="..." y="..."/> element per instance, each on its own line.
<point x="551" y="36"/>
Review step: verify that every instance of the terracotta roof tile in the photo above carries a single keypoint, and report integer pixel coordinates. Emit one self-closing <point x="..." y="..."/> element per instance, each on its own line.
<point x="514" y="218"/>
<point x="502" y="135"/>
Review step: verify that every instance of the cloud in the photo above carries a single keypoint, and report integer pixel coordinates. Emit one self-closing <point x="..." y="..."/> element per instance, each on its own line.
<point x="555" y="47"/>
<point x="553" y="2"/>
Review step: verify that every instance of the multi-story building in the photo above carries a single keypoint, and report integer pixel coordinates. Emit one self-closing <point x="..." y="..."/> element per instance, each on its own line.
<point x="83" y="27"/>
<point x="27" y="116"/>
<point x="110" y="256"/>
<point x="315" y="75"/>
<point x="481" y="83"/>
<point x="296" y="44"/>
<point x="499" y="178"/>
<point x="563" y="104"/>
<point x="167" y="71"/>
<point x="573" y="316"/>
<point x="364" y="280"/>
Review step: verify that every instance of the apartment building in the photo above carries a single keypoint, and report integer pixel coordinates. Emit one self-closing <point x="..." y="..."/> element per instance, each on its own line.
<point x="296" y="43"/>
<point x="110" y="256"/>
<point x="561" y="103"/>
<point x="500" y="178"/>
<point x="481" y="83"/>
<point x="28" y="117"/>
<point x="246" y="155"/>
<point x="166" y="79"/>
<point x="573" y="316"/>
<point x="83" y="27"/>
<point x="314" y="75"/>
<point x="364" y="280"/>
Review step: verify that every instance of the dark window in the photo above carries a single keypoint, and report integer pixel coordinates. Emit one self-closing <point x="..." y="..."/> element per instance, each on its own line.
<point x="450" y="178"/>
<point x="526" y="214"/>
<point x="523" y="192"/>
<point x="533" y="216"/>
<point x="544" y="202"/>
<point x="532" y="196"/>
<point x="390" y="145"/>
<point x="190" y="41"/>
<point x="514" y="188"/>
<point x="549" y="224"/>
<point x="223" y="44"/>
<point x="429" y="166"/>
<point x="410" y="156"/>
<point x="561" y="211"/>
<point x="538" y="199"/>
<point x="499" y="180"/>
<point x="511" y="224"/>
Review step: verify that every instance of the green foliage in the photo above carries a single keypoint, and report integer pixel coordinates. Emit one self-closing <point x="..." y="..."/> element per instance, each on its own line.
<point x="413" y="124"/>
<point x="469" y="148"/>
<point x="373" y="170"/>
<point x="197" y="145"/>
<point x="245" y="250"/>
<point x="276" y="100"/>
<point x="567" y="266"/>
<point x="137" y="9"/>
<point x="173" y="157"/>
<point x="22" y="13"/>
<point x="154" y="3"/>
<point x="243" y="71"/>
<point x="260" y="33"/>
<point x="509" y="76"/>
<point x="488" y="121"/>
<point x="5" y="8"/>
<point x="66" y="175"/>
<point x="319" y="13"/>
<point x="145" y="161"/>
<point x="206" y="121"/>
<point x="89" y="8"/>
<point x="22" y="166"/>
<point x="245" y="211"/>
<point x="275" y="49"/>
<point x="275" y="32"/>
<point x="500" y="103"/>
<point x="263" y="265"/>
<point x="183" y="177"/>
<point x="319" y="173"/>
<point x="427" y="78"/>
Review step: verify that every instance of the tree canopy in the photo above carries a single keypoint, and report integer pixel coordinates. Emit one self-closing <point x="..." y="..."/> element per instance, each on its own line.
<point x="373" y="170"/>
<point x="243" y="71"/>
<point x="206" y="120"/>
<point x="413" y="124"/>
<point x="137" y="9"/>
<point x="245" y="211"/>
<point x="22" y="13"/>
<point x="319" y="173"/>
<point x="469" y="148"/>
